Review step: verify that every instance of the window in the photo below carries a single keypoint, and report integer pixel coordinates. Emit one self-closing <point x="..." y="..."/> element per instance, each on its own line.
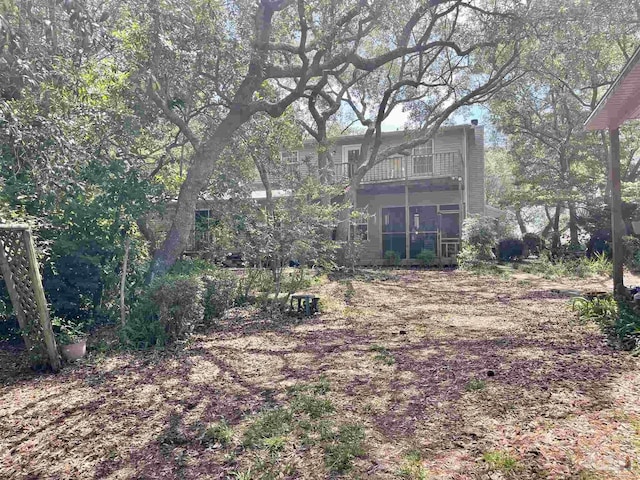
<point x="350" y="159"/>
<point x="360" y="227"/>
<point x="290" y="162"/>
<point x="423" y="159"/>
<point x="202" y="234"/>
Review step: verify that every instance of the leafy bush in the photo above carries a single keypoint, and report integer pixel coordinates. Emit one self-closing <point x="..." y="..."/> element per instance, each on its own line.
<point x="180" y="303"/>
<point x="222" y="289"/>
<point x="479" y="237"/>
<point x="427" y="257"/>
<point x="510" y="249"/>
<point x="534" y="243"/>
<point x="599" y="243"/>
<point x="392" y="257"/>
<point x="631" y="247"/>
<point x="143" y="329"/>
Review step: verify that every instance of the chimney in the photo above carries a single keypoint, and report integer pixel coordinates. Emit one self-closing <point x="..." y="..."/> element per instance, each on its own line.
<point x="474" y="122"/>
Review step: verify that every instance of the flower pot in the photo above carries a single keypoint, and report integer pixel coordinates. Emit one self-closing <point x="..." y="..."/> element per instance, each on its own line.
<point x="74" y="351"/>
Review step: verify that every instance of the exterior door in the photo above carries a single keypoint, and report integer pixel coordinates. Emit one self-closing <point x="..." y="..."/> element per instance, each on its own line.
<point x="394" y="227"/>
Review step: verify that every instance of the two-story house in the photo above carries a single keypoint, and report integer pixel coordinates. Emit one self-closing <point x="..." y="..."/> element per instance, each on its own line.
<point x="415" y="201"/>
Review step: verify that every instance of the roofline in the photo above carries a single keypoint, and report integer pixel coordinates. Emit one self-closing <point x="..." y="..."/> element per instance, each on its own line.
<point x="395" y="133"/>
<point x="633" y="61"/>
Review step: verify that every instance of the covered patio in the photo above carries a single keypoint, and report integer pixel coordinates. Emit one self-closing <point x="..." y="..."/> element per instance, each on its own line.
<point x="620" y="104"/>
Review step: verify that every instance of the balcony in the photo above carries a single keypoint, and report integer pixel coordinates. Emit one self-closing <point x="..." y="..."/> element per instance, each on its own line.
<point x="447" y="164"/>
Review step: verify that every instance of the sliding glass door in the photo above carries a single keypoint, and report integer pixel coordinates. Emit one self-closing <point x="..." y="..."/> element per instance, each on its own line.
<point x="394" y="231"/>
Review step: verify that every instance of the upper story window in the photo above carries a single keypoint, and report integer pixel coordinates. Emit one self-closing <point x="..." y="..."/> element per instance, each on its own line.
<point x="350" y="158"/>
<point x="423" y="158"/>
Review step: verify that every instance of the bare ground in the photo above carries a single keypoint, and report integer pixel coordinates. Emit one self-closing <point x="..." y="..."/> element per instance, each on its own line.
<point x="475" y="366"/>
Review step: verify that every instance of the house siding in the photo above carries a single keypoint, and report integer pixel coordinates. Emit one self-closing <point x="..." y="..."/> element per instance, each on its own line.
<point x="475" y="167"/>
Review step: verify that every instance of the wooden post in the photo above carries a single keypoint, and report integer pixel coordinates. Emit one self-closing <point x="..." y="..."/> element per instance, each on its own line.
<point x="41" y="301"/>
<point x="616" y="212"/>
<point x="123" y="282"/>
<point x="5" y="269"/>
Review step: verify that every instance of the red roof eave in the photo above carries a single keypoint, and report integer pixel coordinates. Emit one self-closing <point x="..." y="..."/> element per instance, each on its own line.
<point x="622" y="100"/>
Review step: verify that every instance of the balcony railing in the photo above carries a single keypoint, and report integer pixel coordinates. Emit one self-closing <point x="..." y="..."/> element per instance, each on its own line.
<point x="391" y="169"/>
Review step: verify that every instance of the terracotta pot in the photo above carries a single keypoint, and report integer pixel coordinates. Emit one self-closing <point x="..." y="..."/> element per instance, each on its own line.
<point x="74" y="351"/>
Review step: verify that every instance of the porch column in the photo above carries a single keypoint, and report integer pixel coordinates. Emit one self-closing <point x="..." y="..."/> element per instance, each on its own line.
<point x="407" y="223"/>
<point x="616" y="211"/>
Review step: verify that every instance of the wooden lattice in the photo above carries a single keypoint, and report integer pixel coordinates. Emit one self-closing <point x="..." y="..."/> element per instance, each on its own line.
<point x="21" y="273"/>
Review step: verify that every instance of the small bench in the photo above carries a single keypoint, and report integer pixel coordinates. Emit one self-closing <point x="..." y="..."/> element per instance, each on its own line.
<point x="307" y="303"/>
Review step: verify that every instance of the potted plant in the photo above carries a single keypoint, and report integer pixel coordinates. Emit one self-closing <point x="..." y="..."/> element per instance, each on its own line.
<point x="73" y="340"/>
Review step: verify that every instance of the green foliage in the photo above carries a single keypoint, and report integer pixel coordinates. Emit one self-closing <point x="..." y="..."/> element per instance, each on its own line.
<point x="510" y="249"/>
<point x="427" y="257"/>
<point x="392" y="257"/>
<point x="346" y="446"/>
<point x="501" y="461"/>
<point x="631" y="247"/>
<point x="479" y="236"/>
<point x="475" y="384"/>
<point x="143" y="328"/>
<point x="222" y="290"/>
<point x="618" y="318"/>
<point x="180" y="304"/>
<point x="412" y="468"/>
<point x="383" y="355"/>
<point x="271" y="423"/>
<point x="67" y="332"/>
<point x="219" y="432"/>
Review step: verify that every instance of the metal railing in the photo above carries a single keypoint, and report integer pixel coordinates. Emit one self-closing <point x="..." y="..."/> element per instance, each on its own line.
<point x="406" y="168"/>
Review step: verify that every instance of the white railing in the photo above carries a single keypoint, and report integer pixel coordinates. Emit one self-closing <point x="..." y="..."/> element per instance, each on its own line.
<point x="448" y="164"/>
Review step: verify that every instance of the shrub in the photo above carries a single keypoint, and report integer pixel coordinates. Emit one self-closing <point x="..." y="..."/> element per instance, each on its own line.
<point x="600" y="242"/>
<point x="631" y="247"/>
<point x="143" y="329"/>
<point x="427" y="257"/>
<point x="180" y="304"/>
<point x="534" y="243"/>
<point x="618" y="318"/>
<point x="392" y="257"/>
<point x="510" y="249"/>
<point x="222" y="289"/>
<point x="479" y="237"/>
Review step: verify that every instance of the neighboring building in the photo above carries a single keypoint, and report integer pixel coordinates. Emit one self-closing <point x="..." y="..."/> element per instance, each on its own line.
<point x="415" y="201"/>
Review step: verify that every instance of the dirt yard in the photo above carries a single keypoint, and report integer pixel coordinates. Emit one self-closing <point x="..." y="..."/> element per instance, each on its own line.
<point x="449" y="375"/>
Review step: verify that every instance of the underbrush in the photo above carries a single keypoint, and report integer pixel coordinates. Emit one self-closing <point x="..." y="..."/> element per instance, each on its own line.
<point x="619" y="319"/>
<point x="544" y="267"/>
<point x="196" y="294"/>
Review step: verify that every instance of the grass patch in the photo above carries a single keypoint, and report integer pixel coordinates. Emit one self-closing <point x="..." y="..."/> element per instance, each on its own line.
<point x="306" y="421"/>
<point x="345" y="447"/>
<point x="475" y="384"/>
<point x="383" y="355"/>
<point x="501" y="461"/>
<point x="219" y="432"/>
<point x="412" y="468"/>
<point x="271" y="423"/>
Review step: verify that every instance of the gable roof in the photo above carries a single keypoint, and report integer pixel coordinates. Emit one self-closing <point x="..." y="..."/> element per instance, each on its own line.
<point x="622" y="100"/>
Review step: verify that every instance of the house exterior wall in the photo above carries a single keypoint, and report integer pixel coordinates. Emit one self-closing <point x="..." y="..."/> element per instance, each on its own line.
<point x="372" y="249"/>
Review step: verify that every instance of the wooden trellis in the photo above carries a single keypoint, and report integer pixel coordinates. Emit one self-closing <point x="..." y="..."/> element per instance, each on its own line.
<point x="21" y="273"/>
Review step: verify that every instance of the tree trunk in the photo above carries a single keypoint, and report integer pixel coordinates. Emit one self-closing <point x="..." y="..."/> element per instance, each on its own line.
<point x="197" y="180"/>
<point x="555" y="240"/>
<point x="521" y="224"/>
<point x="573" y="225"/>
